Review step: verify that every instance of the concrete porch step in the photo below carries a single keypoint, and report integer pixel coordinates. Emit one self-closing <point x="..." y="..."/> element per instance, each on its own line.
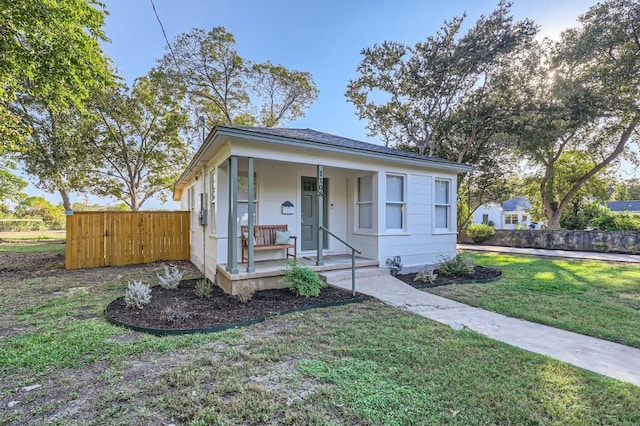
<point x="344" y="275"/>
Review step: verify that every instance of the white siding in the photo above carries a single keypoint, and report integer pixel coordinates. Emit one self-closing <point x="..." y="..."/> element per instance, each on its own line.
<point x="493" y="212"/>
<point x="279" y="171"/>
<point x="419" y="246"/>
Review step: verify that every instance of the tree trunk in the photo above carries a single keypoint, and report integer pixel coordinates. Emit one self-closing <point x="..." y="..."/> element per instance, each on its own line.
<point x="66" y="202"/>
<point x="554" y="220"/>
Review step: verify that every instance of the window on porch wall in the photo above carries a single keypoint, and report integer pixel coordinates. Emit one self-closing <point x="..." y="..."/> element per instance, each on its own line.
<point x="395" y="202"/>
<point x="212" y="202"/>
<point x="243" y="198"/>
<point x="191" y="205"/>
<point x="365" y="203"/>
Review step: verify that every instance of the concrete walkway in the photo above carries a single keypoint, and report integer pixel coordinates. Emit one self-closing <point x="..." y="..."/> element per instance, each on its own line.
<point x="607" y="358"/>
<point x="607" y="257"/>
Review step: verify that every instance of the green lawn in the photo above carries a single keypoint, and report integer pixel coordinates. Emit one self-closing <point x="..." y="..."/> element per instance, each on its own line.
<point x="357" y="364"/>
<point x="590" y="297"/>
<point x="33" y="247"/>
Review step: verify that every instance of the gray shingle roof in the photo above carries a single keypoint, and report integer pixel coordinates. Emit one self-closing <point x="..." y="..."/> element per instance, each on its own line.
<point x="517" y="204"/>
<point x="620" y="206"/>
<point x="311" y="135"/>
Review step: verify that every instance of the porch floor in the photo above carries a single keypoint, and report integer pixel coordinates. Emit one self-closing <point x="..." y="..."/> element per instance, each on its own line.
<point x="275" y="268"/>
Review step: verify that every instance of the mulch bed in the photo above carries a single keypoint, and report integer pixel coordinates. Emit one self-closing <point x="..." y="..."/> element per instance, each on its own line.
<point x="481" y="274"/>
<point x="219" y="310"/>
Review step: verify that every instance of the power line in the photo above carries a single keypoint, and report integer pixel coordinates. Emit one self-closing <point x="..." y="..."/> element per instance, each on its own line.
<point x="166" y="39"/>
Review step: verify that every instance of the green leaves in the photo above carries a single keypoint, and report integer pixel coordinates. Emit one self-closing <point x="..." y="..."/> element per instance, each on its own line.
<point x="408" y="94"/>
<point x="230" y="90"/>
<point x="50" y="51"/>
<point x="140" y="149"/>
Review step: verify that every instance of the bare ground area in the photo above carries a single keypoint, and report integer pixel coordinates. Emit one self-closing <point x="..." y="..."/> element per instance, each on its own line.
<point x="128" y="382"/>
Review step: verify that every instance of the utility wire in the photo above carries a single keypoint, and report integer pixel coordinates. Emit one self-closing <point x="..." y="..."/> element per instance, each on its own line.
<point x="166" y="39"/>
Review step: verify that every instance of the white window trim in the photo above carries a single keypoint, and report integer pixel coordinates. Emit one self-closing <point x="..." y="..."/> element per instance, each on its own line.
<point x="511" y="217"/>
<point x="213" y="183"/>
<point x="403" y="204"/>
<point x="191" y="205"/>
<point x="449" y="206"/>
<point x="358" y="229"/>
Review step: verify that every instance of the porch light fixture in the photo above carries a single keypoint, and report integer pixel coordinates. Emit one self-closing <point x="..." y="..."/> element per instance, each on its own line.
<point x="288" y="207"/>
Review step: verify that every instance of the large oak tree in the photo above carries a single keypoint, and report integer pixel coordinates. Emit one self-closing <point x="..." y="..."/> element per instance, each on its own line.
<point x="139" y="149"/>
<point x="579" y="95"/>
<point x="439" y="98"/>
<point x="230" y="90"/>
<point x="51" y="51"/>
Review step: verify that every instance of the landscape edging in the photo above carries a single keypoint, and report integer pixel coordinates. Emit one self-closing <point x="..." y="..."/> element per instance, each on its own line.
<point x="485" y="281"/>
<point x="172" y="332"/>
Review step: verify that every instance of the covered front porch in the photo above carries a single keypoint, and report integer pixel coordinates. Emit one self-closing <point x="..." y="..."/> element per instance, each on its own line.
<point x="269" y="273"/>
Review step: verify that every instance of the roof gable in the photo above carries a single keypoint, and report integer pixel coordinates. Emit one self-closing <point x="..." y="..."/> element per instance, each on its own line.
<point x="517" y="204"/>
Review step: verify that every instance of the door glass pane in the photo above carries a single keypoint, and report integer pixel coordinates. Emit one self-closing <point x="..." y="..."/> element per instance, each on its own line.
<point x="365" y="216"/>
<point x="395" y="188"/>
<point x="394" y="216"/>
<point x="442" y="192"/>
<point x="365" y="189"/>
<point x="442" y="217"/>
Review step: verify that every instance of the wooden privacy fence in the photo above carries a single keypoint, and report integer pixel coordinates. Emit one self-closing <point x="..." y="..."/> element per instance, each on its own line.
<point x="108" y="238"/>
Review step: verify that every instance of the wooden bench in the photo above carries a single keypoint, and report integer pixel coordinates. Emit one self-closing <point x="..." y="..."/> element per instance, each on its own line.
<point x="265" y="239"/>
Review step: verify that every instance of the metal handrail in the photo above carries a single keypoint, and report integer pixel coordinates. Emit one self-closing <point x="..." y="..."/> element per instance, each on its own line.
<point x="353" y="257"/>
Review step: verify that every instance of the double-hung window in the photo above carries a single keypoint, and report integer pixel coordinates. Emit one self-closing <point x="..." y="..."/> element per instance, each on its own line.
<point x="510" y="219"/>
<point x="191" y="205"/>
<point x="212" y="202"/>
<point x="442" y="204"/>
<point x="243" y="198"/>
<point x="364" y="203"/>
<point x="395" y="202"/>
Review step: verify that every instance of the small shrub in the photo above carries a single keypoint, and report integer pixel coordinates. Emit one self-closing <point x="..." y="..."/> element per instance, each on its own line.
<point x="137" y="295"/>
<point x="426" y="276"/>
<point x="203" y="288"/>
<point x="480" y="233"/>
<point x="610" y="221"/>
<point x="457" y="265"/>
<point x="302" y="281"/>
<point x="245" y="293"/>
<point x="175" y="313"/>
<point x="171" y="277"/>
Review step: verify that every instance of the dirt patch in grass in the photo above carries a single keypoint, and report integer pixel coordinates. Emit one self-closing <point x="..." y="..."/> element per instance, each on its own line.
<point x="181" y="309"/>
<point x="28" y="265"/>
<point x="481" y="274"/>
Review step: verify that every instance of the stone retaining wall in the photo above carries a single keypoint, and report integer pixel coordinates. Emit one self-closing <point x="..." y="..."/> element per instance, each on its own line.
<point x="601" y="241"/>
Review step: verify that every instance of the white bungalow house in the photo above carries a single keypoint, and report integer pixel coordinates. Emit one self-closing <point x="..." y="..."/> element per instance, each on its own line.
<point x="507" y="215"/>
<point x="381" y="201"/>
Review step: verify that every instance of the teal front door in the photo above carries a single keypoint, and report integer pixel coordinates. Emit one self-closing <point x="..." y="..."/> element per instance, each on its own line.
<point x="309" y="203"/>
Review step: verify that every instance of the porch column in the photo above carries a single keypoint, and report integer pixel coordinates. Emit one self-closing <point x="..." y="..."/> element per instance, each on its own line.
<point x="232" y="229"/>
<point x="251" y="209"/>
<point x="319" y="211"/>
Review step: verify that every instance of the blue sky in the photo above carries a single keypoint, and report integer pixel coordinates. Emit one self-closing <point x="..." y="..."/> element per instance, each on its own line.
<point x="322" y="37"/>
